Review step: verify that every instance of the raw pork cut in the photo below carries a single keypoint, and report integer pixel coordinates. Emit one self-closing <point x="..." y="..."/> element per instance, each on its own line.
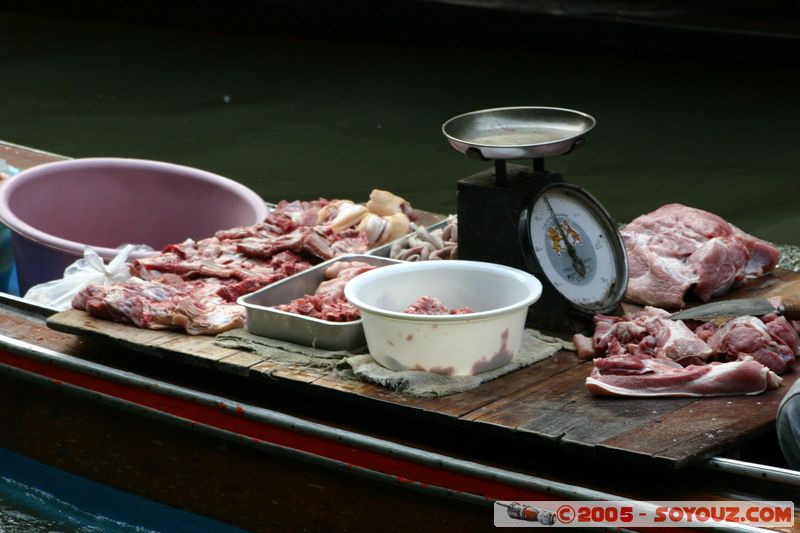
<point x="218" y="259"/>
<point x="773" y="344"/>
<point x="771" y="340"/>
<point x="318" y="242"/>
<point x="167" y="302"/>
<point x="648" y="332"/>
<point x="641" y="376"/>
<point x="328" y="301"/>
<point x="428" y="305"/>
<point x="676" y="247"/>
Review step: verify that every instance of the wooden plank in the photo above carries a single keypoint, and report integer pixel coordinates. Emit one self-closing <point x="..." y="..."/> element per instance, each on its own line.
<point x="466" y="404"/>
<point x="239" y="362"/>
<point x="370" y="392"/>
<point x="560" y="410"/>
<point x="22" y="157"/>
<point x="545" y="403"/>
<point x="80" y="323"/>
<point x="702" y="428"/>
<point x="275" y="369"/>
<point x="200" y="349"/>
<point x="172" y="345"/>
<point x="503" y="392"/>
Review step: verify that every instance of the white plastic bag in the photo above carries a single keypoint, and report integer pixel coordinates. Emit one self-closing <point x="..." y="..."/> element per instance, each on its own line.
<point x="82" y="273"/>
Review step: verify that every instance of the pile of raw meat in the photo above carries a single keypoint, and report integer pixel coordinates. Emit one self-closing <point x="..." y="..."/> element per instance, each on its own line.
<point x="328" y="301"/>
<point x="646" y="354"/>
<point x="194" y="285"/>
<point x="428" y="305"/>
<point x="671" y="251"/>
<point x="676" y="248"/>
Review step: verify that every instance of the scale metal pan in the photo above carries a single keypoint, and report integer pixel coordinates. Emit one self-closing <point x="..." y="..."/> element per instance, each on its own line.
<point x="518" y="132"/>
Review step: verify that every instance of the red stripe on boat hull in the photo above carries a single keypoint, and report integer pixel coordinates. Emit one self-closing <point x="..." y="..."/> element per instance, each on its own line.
<point x="232" y="421"/>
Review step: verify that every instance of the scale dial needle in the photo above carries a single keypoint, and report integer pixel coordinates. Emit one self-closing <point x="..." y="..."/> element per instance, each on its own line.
<point x="577" y="262"/>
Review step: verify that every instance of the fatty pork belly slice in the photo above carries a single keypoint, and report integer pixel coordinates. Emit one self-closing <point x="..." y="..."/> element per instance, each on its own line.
<point x="676" y="247"/>
<point x="163" y="303"/>
<point x="644" y="377"/>
<point x="774" y="344"/>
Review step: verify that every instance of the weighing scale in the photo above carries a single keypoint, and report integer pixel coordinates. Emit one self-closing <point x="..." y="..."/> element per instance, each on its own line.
<point x="528" y="218"/>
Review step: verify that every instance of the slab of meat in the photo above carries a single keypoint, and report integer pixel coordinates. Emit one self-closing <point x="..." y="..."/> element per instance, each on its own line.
<point x="214" y="258"/>
<point x="319" y="242"/>
<point x="428" y="305"/>
<point x="648" y="332"/>
<point x="770" y="340"/>
<point x="167" y="302"/>
<point x="773" y="344"/>
<point x="655" y="377"/>
<point x="285" y="217"/>
<point x="677" y="247"/>
<point x="328" y="301"/>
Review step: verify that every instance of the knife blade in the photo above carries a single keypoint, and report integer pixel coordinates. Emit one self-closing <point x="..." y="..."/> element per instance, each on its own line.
<point x="740" y="307"/>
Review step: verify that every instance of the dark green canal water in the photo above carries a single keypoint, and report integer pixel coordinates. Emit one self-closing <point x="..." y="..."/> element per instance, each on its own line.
<point x="302" y="117"/>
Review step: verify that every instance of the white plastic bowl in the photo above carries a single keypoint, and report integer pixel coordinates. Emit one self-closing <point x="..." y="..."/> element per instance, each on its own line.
<point x="445" y="344"/>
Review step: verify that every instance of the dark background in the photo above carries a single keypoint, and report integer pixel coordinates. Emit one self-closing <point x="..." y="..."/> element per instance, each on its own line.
<point x="307" y="99"/>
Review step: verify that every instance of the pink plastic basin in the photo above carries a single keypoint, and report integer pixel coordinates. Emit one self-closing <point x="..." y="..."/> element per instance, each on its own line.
<point x="56" y="209"/>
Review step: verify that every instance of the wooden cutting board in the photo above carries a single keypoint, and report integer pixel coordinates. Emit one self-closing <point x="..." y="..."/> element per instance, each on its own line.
<point x="545" y="403"/>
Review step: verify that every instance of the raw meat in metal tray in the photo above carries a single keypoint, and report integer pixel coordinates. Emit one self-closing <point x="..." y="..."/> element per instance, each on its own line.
<point x="657" y="377"/>
<point x="337" y="277"/>
<point x="328" y="301"/>
<point x="676" y="247"/>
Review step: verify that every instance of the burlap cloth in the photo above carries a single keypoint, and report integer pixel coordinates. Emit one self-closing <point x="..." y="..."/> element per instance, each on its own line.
<point x="359" y="365"/>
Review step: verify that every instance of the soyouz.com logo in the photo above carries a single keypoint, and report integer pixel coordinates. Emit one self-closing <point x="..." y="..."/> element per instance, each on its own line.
<point x="626" y="513"/>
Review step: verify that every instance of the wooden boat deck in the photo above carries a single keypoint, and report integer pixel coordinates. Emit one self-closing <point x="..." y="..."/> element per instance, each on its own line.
<point x="536" y="425"/>
<point x="544" y="404"/>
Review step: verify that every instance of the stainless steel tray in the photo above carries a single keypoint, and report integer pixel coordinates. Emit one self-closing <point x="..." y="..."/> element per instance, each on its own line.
<point x="518" y="132"/>
<point x="264" y="320"/>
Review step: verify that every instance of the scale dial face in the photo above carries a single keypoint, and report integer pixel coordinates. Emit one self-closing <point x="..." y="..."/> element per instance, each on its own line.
<point x="577" y="247"/>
